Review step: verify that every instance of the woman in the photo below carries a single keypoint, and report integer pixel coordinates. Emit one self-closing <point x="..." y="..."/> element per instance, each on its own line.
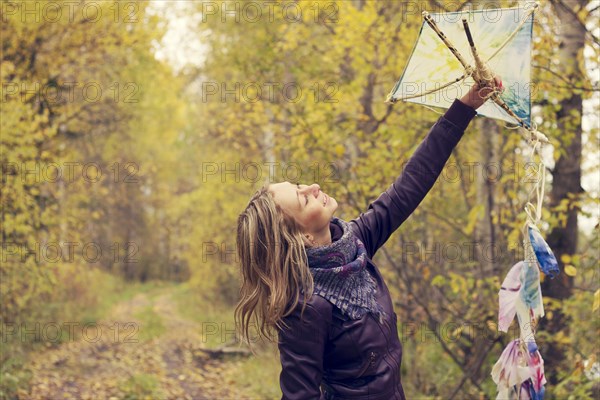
<point x="309" y="275"/>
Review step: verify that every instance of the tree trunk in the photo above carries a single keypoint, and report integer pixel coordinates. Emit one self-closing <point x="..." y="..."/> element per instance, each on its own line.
<point x="566" y="185"/>
<point x="487" y="179"/>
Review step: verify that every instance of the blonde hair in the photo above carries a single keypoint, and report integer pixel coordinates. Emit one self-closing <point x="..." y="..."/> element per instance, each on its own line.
<point x="274" y="266"/>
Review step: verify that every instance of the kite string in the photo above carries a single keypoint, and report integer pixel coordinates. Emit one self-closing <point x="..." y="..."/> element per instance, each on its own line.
<point x="484" y="74"/>
<point x="468" y="73"/>
<point x="432" y="109"/>
<point x="509" y="38"/>
<point x="534" y="136"/>
<point x="534" y="212"/>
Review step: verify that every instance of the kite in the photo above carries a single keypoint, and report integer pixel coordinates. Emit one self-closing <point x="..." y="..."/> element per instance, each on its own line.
<point x="504" y="41"/>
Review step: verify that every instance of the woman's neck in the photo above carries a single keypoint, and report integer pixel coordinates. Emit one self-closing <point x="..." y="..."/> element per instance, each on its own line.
<point x="323" y="238"/>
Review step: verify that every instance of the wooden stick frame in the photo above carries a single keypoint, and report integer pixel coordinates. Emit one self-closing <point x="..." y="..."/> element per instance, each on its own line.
<point x="477" y="72"/>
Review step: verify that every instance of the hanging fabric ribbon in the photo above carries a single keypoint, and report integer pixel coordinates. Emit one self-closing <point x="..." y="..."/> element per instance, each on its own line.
<point x="519" y="373"/>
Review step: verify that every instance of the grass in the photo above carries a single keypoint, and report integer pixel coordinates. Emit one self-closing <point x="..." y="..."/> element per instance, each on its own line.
<point x="151" y="325"/>
<point x="141" y="386"/>
<point x="14" y="375"/>
<point x="256" y="376"/>
<point x="215" y="320"/>
<point x="122" y="291"/>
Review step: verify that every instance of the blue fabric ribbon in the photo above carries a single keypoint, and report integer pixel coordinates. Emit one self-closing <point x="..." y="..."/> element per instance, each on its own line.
<point x="543" y="253"/>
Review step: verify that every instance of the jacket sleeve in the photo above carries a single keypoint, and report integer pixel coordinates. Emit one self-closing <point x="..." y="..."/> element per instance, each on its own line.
<point x="393" y="206"/>
<point x="301" y="350"/>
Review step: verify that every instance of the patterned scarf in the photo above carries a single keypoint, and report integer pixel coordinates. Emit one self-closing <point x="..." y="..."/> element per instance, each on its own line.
<point x="340" y="275"/>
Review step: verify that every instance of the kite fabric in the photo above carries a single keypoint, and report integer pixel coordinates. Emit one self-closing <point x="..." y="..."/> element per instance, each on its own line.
<point x="521" y="368"/>
<point x="491" y="28"/>
<point x="444" y="56"/>
<point x="543" y="253"/>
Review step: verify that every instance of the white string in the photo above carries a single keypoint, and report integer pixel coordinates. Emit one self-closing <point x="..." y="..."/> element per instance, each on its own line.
<point x="509" y="38"/>
<point x="432" y="109"/>
<point x="534" y="212"/>
<point x="468" y="73"/>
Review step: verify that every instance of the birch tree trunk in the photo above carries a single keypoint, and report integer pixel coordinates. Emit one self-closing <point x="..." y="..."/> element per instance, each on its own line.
<point x="566" y="185"/>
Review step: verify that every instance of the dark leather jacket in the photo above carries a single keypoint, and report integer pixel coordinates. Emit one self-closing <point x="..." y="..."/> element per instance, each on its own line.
<point x="325" y="355"/>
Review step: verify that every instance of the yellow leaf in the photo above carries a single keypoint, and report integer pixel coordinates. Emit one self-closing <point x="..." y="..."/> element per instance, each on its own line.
<point x="457" y="331"/>
<point x="570" y="270"/>
<point x="560" y="337"/>
<point x="596" y="301"/>
<point x="473" y="217"/>
<point x="426" y="273"/>
<point x="339" y="150"/>
<point x="565" y="258"/>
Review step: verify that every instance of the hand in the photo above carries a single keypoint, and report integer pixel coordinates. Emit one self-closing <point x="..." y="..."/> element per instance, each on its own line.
<point x="477" y="95"/>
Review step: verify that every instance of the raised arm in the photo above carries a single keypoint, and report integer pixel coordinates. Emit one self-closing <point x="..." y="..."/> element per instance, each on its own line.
<point x="393" y="206"/>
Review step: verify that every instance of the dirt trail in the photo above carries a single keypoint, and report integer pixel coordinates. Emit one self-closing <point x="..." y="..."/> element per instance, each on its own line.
<point x="108" y="363"/>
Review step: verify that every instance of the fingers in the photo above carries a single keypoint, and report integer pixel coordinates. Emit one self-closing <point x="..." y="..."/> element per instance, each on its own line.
<point x="495" y="84"/>
<point x="498" y="84"/>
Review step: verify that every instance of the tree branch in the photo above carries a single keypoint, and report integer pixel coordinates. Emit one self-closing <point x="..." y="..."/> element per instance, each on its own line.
<point x="568" y="9"/>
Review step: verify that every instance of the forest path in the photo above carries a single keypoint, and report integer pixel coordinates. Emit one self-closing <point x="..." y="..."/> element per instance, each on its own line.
<point x="144" y="350"/>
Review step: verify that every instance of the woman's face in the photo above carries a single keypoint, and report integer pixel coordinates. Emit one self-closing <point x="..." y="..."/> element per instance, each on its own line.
<point x="311" y="208"/>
